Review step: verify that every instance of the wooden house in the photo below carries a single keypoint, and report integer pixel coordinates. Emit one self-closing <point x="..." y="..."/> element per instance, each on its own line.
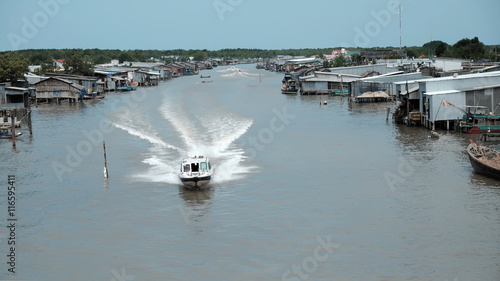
<point x="89" y="82"/>
<point x="178" y="69"/>
<point x="110" y="78"/>
<point x="58" y="89"/>
<point x="17" y="95"/>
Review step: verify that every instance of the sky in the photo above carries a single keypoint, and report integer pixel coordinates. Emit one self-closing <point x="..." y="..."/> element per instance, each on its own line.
<point x="262" y="24"/>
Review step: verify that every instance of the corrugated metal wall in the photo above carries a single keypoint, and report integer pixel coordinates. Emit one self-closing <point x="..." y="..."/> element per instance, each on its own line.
<point x="488" y="98"/>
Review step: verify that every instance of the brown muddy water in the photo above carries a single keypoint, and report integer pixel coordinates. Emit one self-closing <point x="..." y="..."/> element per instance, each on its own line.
<point x="300" y="192"/>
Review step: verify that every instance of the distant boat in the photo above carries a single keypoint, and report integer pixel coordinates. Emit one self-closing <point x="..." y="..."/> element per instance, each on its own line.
<point x="128" y="86"/>
<point x="289" y="85"/>
<point x="201" y="76"/>
<point x="196" y="171"/>
<point x="6" y="132"/>
<point x="189" y="72"/>
<point x="484" y="160"/>
<point x="94" y="95"/>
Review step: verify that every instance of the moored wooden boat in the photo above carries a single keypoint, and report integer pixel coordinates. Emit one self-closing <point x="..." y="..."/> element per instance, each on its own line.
<point x="289" y="85"/>
<point x="6" y="132"/>
<point x="484" y="160"/>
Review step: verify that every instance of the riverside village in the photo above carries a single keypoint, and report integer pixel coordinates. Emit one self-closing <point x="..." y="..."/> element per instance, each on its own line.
<point x="435" y="93"/>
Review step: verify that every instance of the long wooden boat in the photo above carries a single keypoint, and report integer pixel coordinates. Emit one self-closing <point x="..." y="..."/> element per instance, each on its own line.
<point x="484" y="160"/>
<point x="479" y="124"/>
<point x="6" y="132"/>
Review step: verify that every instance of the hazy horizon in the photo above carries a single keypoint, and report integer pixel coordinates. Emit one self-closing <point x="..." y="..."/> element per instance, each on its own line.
<point x="222" y="24"/>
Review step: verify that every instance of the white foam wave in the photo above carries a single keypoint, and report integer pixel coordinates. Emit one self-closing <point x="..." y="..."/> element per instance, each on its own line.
<point x="212" y="135"/>
<point x="150" y="138"/>
<point x="179" y="119"/>
<point x="224" y="130"/>
<point x="160" y="170"/>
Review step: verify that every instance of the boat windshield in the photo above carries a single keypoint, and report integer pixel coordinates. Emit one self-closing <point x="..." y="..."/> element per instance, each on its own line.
<point x="203" y="166"/>
<point x="195" y="167"/>
<point x="187" y="168"/>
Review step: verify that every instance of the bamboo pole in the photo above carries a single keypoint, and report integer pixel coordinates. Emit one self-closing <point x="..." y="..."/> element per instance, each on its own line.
<point x="29" y="116"/>
<point x="106" y="175"/>
<point x="13" y="127"/>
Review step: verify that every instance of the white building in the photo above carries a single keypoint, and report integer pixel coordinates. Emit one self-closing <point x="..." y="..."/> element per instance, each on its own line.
<point x="463" y="92"/>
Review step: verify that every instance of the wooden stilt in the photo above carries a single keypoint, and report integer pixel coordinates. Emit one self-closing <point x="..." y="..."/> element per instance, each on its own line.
<point x="13" y="127"/>
<point x="29" y="117"/>
<point x="106" y="175"/>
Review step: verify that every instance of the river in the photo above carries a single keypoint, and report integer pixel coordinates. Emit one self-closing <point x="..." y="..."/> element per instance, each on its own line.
<point x="301" y="191"/>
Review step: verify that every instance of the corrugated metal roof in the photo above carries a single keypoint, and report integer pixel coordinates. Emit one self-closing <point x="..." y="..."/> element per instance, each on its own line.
<point x="466" y="76"/>
<point x="411" y="90"/>
<point x="55" y="78"/>
<point x="16" y="89"/>
<point x="481" y="88"/>
<point x="443" y="92"/>
<point x="302" y="60"/>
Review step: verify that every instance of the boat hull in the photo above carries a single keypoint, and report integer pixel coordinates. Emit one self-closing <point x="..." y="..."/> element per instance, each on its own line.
<point x="126" y="88"/>
<point x="289" y="92"/>
<point x="195" y="182"/>
<point x="480" y="167"/>
<point x="9" y="136"/>
<point x="484" y="129"/>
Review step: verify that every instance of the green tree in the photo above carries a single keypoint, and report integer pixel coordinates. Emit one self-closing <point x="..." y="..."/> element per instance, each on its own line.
<point x="76" y="63"/>
<point x="47" y="65"/>
<point x="124" y="56"/>
<point x="200" y="56"/>
<point x="339" y="61"/>
<point x="12" y="67"/>
<point x="411" y="53"/>
<point x="432" y="46"/>
<point x="326" y="64"/>
<point x="441" y="49"/>
<point x="357" y="59"/>
<point x="101" y="58"/>
<point x="469" y="49"/>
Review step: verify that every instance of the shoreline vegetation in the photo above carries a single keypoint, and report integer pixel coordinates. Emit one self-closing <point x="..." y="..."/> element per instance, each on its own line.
<point x="13" y="64"/>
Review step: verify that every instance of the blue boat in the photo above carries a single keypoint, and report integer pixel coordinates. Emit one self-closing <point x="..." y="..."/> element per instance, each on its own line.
<point x="128" y="86"/>
<point x="6" y="132"/>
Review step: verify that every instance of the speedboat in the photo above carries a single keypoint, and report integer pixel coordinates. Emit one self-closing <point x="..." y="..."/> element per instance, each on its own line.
<point x="196" y="171"/>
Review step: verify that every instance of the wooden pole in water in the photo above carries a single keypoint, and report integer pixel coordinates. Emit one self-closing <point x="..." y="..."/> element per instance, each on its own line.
<point x="13" y="127"/>
<point x="106" y="175"/>
<point x="29" y="116"/>
<point x="387" y="117"/>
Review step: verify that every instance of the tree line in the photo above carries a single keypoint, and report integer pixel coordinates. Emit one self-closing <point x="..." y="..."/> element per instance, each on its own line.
<point x="80" y="61"/>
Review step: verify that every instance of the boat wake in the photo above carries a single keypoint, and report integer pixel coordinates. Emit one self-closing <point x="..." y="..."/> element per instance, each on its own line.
<point x="212" y="134"/>
<point x="237" y="72"/>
